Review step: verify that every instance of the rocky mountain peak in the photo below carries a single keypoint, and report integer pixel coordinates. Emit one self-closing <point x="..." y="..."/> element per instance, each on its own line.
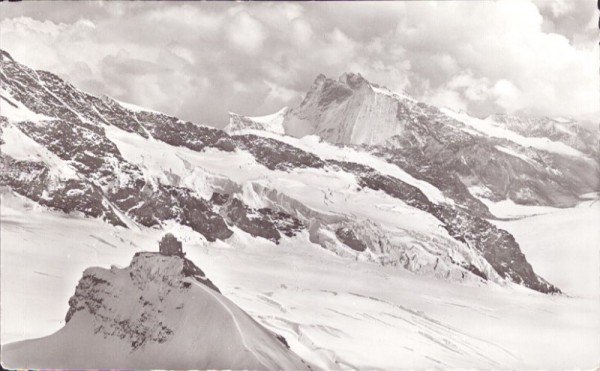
<point x="157" y="305"/>
<point x="320" y="78"/>
<point x="346" y="110"/>
<point x="353" y="80"/>
<point x="5" y="54"/>
<point x="165" y="273"/>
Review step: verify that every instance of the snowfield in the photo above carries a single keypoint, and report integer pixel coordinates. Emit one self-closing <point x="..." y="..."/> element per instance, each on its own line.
<point x="333" y="312"/>
<point x="564" y="246"/>
<point x="133" y="107"/>
<point x="313" y="144"/>
<point x="508" y="209"/>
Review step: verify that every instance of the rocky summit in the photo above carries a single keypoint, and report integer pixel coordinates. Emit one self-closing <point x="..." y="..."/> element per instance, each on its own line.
<point x="157" y="305"/>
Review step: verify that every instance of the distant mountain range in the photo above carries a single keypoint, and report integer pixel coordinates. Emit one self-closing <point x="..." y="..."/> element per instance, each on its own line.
<point x="367" y="172"/>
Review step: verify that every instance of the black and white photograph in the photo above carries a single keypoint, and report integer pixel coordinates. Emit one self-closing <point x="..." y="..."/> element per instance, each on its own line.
<point x="300" y="185"/>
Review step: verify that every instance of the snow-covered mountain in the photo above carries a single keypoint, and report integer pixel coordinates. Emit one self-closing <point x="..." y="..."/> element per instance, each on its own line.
<point x="533" y="161"/>
<point x="357" y="171"/>
<point x="349" y="110"/>
<point x="159" y="305"/>
<point x="352" y="110"/>
<point x="130" y="166"/>
<point x="117" y="160"/>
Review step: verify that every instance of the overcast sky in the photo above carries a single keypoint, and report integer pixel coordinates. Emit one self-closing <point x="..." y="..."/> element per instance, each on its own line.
<point x="199" y="61"/>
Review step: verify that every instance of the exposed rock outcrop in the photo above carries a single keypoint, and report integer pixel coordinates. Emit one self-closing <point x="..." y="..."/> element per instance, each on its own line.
<point x="159" y="312"/>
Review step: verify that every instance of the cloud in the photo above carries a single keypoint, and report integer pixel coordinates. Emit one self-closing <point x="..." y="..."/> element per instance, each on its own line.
<point x="245" y="32"/>
<point x="202" y="60"/>
<point x="507" y="95"/>
<point x="485" y="44"/>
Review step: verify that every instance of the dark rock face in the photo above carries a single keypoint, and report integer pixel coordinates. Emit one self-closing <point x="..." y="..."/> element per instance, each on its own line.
<point x="197" y="214"/>
<point x="333" y="91"/>
<point x="32" y="180"/>
<point x="95" y="156"/>
<point x="89" y="150"/>
<point x="265" y="222"/>
<point x="86" y="295"/>
<point x="276" y="155"/>
<point x="473" y="269"/>
<point x="416" y="164"/>
<point x="191" y="270"/>
<point x="284" y="223"/>
<point x="547" y="179"/>
<point x="451" y="163"/>
<point x="435" y="148"/>
<point x="175" y="132"/>
<point x="498" y="247"/>
<point x="150" y="207"/>
<point x="348" y="237"/>
<point x="45" y="93"/>
<point x="219" y="198"/>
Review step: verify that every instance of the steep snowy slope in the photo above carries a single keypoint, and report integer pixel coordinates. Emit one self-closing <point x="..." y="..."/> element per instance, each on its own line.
<point x="159" y="312"/>
<point x="495" y="129"/>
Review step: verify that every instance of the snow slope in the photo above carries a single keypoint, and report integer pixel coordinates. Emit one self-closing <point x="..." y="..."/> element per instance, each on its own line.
<point x="272" y="123"/>
<point x="175" y="315"/>
<point x="564" y="246"/>
<point x="133" y="107"/>
<point x="15" y="111"/>
<point x="508" y="209"/>
<point x="331" y="193"/>
<point x="333" y="312"/>
<point x="315" y="145"/>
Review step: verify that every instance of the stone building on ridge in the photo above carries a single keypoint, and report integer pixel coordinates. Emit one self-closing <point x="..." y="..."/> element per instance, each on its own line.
<point x="169" y="246"/>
